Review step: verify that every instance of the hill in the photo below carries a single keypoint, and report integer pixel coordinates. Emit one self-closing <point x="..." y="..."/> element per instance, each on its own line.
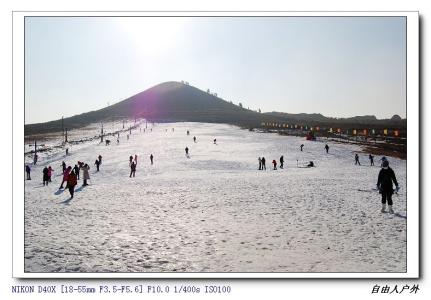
<point x="178" y="102"/>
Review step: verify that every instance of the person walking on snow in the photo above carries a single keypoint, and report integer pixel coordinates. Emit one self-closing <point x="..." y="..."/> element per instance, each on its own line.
<point x="63" y="165"/>
<point x="130" y="160"/>
<point x="76" y="170"/>
<point x="71" y="183"/>
<point x="384" y="184"/>
<point x="50" y="170"/>
<point x="65" y="176"/>
<point x="45" y="176"/>
<point x="281" y="162"/>
<point x="85" y="174"/>
<point x="35" y="159"/>
<point x="28" y="170"/>
<point x="327" y="148"/>
<point x="97" y="163"/>
<point x="136" y="159"/>
<point x="132" y="169"/>
<point x="215" y="141"/>
<point x="151" y="158"/>
<point x="357" y="159"/>
<point x="263" y="163"/>
<point x="302" y="146"/>
<point x="100" y="159"/>
<point x="187" y="151"/>
<point x="194" y="139"/>
<point x="260" y="163"/>
<point x="371" y="160"/>
<point x="274" y="162"/>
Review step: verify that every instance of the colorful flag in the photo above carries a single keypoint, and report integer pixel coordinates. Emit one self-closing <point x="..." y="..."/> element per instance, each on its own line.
<point x="354" y="131"/>
<point x="396" y="133"/>
<point x="385" y="131"/>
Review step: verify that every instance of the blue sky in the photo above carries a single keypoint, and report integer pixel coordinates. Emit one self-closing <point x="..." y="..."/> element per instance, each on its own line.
<point x="337" y="66"/>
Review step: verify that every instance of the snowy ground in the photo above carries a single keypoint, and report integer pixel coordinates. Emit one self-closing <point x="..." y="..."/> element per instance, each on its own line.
<point x="214" y="211"/>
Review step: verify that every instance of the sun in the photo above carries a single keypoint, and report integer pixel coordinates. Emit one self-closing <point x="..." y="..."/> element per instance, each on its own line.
<point x="151" y="34"/>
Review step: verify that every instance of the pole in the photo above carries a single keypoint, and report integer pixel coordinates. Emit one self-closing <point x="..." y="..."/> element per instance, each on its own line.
<point x="62" y="126"/>
<point x="66" y="136"/>
<point x="101" y="134"/>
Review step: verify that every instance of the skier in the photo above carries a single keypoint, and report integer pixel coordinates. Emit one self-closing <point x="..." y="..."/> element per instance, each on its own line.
<point x="357" y="159"/>
<point x="260" y="163"/>
<point x="327" y="148"/>
<point x="194" y="139"/>
<point x="28" y="170"/>
<point x="384" y="184"/>
<point x="151" y="158"/>
<point x="71" y="183"/>
<point x="215" y="141"/>
<point x="50" y="170"/>
<point x="45" y="176"/>
<point x="76" y="170"/>
<point x="187" y="151"/>
<point x="65" y="176"/>
<point x="274" y="162"/>
<point x="85" y="174"/>
<point x="371" y="157"/>
<point x="132" y="169"/>
<point x="63" y="165"/>
<point x="188" y="132"/>
<point x="281" y="162"/>
<point x="302" y="145"/>
<point x="100" y="159"/>
<point x="97" y="163"/>
<point x="263" y="163"/>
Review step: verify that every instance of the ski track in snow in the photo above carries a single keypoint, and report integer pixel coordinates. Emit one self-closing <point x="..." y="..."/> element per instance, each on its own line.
<point x="214" y="211"/>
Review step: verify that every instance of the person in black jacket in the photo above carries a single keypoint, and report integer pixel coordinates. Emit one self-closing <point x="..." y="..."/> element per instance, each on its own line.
<point x="281" y="162"/>
<point x="27" y="170"/>
<point x="384" y="184"/>
<point x="132" y="169"/>
<point x="45" y="176"/>
<point x="357" y="159"/>
<point x="76" y="170"/>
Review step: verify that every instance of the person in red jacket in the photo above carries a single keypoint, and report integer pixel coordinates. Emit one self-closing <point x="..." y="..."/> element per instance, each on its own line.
<point x="274" y="162"/>
<point x="65" y="176"/>
<point x="71" y="183"/>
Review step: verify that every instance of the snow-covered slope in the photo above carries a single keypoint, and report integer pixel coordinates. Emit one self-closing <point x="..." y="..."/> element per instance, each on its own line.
<point x="214" y="211"/>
